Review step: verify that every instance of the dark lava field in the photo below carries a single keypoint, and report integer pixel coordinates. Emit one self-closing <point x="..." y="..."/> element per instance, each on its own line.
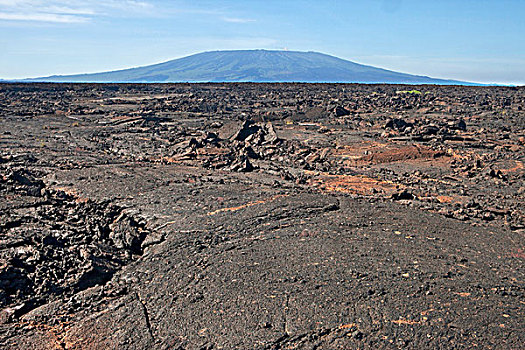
<point x="261" y="216"/>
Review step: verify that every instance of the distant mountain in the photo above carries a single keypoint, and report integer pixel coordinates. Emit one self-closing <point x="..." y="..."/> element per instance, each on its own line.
<point x="254" y="66"/>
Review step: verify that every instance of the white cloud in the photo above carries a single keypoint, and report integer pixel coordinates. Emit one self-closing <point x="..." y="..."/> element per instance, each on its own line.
<point x="10" y="2"/>
<point x="42" y="17"/>
<point x="67" y="11"/>
<point x="78" y="11"/>
<point x="126" y="5"/>
<point x="237" y="20"/>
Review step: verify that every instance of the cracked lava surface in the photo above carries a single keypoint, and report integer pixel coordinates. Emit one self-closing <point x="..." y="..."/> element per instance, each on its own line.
<point x="261" y="216"/>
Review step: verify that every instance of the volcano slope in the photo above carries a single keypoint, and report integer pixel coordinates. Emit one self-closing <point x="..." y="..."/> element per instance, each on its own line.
<point x="261" y="216"/>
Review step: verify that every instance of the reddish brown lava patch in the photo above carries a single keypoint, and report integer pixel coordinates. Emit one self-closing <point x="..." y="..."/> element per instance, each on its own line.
<point x="452" y="199"/>
<point x="354" y="184"/>
<point x="370" y="153"/>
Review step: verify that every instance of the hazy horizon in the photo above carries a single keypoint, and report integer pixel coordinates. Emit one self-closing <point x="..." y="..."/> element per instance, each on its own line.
<point x="477" y="41"/>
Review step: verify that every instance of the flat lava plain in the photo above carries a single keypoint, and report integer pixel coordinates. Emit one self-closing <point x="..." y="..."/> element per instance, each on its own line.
<point x="261" y="216"/>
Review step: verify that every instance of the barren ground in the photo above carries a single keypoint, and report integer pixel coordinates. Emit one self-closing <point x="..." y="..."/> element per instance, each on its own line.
<point x="261" y="216"/>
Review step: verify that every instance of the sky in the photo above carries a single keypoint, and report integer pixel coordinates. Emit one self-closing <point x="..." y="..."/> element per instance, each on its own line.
<point x="470" y="40"/>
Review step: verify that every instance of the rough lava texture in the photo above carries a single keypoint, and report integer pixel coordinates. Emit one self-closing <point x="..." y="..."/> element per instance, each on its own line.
<point x="261" y="216"/>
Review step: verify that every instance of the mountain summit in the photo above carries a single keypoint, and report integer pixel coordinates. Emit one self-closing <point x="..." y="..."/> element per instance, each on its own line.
<point x="254" y="66"/>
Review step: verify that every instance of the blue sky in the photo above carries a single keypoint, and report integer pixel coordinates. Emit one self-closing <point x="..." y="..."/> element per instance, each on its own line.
<point x="473" y="40"/>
